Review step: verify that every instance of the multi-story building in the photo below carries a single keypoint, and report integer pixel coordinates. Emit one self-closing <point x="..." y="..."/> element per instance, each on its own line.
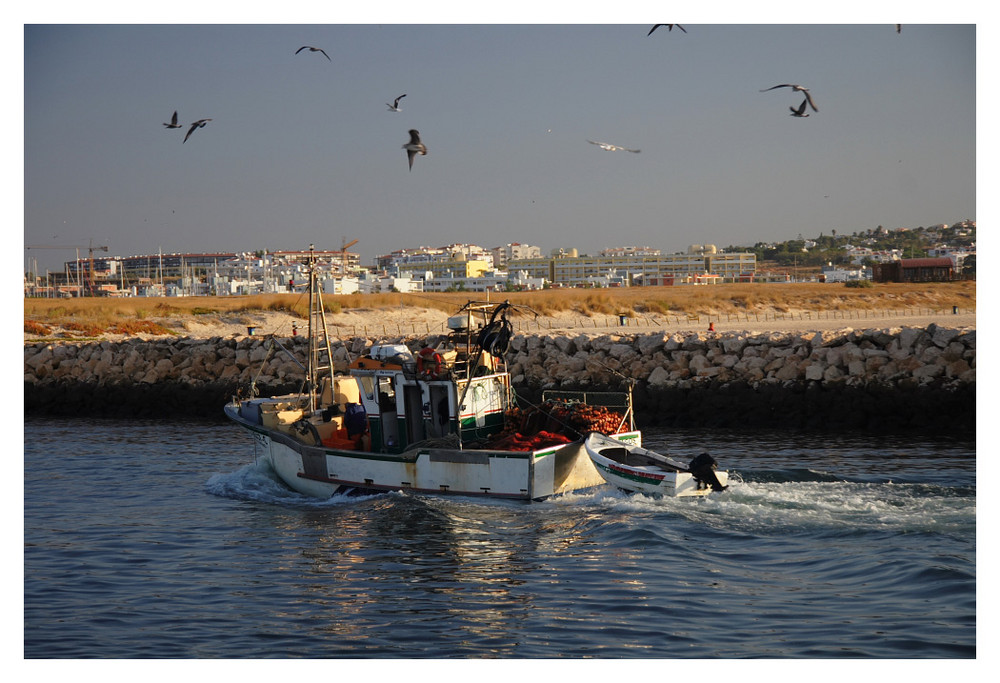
<point x="514" y="251"/>
<point x="344" y="261"/>
<point x="409" y="259"/>
<point x="630" y="251"/>
<point x="580" y="270"/>
<point x="435" y="269"/>
<point x="471" y="252"/>
<point x="458" y="268"/>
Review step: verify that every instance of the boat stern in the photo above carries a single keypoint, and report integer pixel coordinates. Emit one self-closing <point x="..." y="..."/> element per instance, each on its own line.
<point x="568" y="467"/>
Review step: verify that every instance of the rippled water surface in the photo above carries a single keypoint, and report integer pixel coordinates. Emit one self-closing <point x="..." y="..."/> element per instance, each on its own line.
<point x="166" y="540"/>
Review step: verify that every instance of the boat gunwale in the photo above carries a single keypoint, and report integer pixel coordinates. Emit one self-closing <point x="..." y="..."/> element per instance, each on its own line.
<point x="405" y="456"/>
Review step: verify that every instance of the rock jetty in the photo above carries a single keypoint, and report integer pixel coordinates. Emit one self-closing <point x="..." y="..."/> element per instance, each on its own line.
<point x="914" y="378"/>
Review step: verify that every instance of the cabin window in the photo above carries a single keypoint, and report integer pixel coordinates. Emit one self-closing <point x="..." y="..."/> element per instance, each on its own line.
<point x="386" y="395"/>
<point x="367" y="385"/>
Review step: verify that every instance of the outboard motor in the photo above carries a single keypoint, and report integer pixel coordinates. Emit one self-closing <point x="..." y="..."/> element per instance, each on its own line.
<point x="703" y="468"/>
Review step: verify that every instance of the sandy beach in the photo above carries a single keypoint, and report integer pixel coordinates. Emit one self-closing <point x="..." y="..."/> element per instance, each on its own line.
<point x="373" y="323"/>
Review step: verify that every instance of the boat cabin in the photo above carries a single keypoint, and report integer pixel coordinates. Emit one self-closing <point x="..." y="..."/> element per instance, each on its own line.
<point x="389" y="399"/>
<point x="407" y="399"/>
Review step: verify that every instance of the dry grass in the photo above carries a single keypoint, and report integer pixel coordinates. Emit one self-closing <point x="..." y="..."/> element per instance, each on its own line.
<point x="99" y="309"/>
<point x="140" y="315"/>
<point x="742" y="298"/>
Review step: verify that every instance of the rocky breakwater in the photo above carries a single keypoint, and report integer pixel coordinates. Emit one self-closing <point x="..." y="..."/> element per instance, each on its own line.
<point x="911" y="378"/>
<point x="878" y="379"/>
<point x="161" y="377"/>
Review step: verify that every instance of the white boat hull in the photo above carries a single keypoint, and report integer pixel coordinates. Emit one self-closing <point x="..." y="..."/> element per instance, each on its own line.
<point x="609" y="456"/>
<point x="321" y="472"/>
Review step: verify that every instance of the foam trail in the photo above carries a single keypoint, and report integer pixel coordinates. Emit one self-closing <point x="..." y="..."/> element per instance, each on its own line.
<point x="258" y="482"/>
<point x="838" y="506"/>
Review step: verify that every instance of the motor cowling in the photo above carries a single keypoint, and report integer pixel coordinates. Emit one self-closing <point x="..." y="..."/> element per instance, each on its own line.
<point x="703" y="468"/>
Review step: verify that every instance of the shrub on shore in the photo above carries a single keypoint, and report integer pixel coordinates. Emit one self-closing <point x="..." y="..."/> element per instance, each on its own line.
<point x="37" y="328"/>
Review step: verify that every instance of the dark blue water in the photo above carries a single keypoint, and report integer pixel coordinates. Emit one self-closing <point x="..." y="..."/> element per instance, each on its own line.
<point x="165" y="540"/>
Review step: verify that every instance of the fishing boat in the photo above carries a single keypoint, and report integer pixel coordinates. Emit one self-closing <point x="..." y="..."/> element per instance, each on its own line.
<point x="443" y="420"/>
<point x="639" y="470"/>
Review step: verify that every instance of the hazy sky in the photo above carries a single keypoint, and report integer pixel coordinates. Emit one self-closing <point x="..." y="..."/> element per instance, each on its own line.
<point x="304" y="150"/>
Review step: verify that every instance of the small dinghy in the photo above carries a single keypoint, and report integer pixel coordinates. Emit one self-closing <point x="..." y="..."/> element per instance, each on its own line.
<point x="640" y="470"/>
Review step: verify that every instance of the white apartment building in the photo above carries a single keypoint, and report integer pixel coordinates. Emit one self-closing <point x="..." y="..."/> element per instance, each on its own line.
<point x="859" y="254"/>
<point x="956" y="254"/>
<point x="513" y="251"/>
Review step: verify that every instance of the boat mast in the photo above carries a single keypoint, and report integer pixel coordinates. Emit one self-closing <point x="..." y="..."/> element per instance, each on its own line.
<point x="317" y="312"/>
<point x="472" y="363"/>
<point x="312" y="352"/>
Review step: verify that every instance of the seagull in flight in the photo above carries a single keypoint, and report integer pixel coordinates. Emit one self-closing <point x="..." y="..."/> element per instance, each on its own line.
<point x="613" y="148"/>
<point x="395" y="103"/>
<point x="200" y="123"/>
<point x="312" y="49"/>
<point x="670" y="27"/>
<point x="414" y="146"/>
<point x="800" y="111"/>
<point x="173" y="122"/>
<point x="796" y="88"/>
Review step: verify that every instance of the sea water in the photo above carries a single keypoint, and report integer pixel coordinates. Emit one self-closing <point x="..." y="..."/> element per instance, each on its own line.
<point x="169" y="540"/>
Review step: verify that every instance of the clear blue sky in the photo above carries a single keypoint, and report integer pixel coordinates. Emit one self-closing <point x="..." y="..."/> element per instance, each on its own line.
<point x="303" y="150"/>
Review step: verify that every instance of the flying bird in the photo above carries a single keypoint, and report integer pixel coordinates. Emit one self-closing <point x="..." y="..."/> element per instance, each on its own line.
<point x="613" y="148"/>
<point x="670" y="27"/>
<point x="796" y="88"/>
<point x="395" y="103"/>
<point x="312" y="49"/>
<point x="200" y="123"/>
<point x="173" y="122"/>
<point x="414" y="146"/>
<point x="800" y="111"/>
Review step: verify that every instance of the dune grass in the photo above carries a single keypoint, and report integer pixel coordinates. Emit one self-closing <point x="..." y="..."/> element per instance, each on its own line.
<point x="741" y="298"/>
<point x="135" y="313"/>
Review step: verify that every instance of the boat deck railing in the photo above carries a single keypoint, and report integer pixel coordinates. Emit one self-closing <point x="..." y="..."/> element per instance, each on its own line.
<point x="606" y="399"/>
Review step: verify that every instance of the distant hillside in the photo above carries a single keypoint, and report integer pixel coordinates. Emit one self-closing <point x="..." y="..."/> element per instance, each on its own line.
<point x="809" y="255"/>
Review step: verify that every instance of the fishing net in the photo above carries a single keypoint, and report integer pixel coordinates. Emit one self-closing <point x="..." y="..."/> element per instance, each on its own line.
<point x="551" y="423"/>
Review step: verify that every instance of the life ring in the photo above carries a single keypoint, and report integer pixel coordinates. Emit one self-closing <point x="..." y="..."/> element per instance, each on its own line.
<point x="429" y="362"/>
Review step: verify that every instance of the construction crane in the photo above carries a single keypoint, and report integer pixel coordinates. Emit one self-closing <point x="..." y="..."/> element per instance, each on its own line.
<point x="90" y="258"/>
<point x="344" y="244"/>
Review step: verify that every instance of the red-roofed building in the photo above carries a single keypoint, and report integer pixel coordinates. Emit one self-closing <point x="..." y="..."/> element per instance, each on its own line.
<point x="915" y="270"/>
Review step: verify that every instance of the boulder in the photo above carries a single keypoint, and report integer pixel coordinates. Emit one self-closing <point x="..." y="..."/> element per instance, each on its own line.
<point x="658" y="377"/>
